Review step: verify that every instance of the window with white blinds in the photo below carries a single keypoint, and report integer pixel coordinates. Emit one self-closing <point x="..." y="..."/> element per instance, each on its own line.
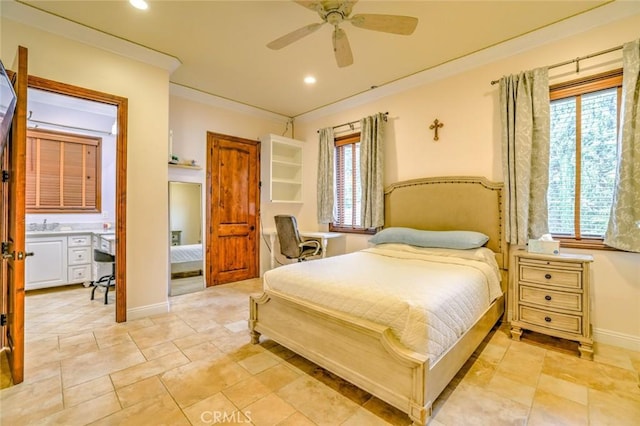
<point x="63" y="172"/>
<point x="583" y="156"/>
<point x="347" y="204"/>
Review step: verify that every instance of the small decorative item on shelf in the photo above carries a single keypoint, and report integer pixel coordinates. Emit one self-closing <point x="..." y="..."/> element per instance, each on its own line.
<point x="174" y="159"/>
<point x="193" y="163"/>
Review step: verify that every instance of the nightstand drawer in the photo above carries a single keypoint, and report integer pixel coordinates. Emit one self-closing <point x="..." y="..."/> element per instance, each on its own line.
<point x="551" y="298"/>
<point x="568" y="279"/>
<point x="556" y="321"/>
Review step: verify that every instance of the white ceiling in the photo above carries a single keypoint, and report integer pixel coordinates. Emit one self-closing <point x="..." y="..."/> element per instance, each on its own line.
<point x="221" y="45"/>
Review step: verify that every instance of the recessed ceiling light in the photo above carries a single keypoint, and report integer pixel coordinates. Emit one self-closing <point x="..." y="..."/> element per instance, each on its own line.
<point x="310" y="79"/>
<point x="139" y="4"/>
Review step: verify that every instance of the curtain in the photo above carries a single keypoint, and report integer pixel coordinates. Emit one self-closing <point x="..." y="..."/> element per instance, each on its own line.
<point x="623" y="230"/>
<point x="524" y="111"/>
<point x="325" y="176"/>
<point x="371" y="171"/>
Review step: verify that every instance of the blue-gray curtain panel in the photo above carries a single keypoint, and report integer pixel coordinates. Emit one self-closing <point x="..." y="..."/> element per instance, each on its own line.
<point x="325" y="176"/>
<point x="372" y="171"/>
<point x="623" y="231"/>
<point x="524" y="111"/>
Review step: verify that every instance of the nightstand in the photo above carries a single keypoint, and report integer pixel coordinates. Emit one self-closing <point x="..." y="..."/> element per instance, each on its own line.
<point x="550" y="295"/>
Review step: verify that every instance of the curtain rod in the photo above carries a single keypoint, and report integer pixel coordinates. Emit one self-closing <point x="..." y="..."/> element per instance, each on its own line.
<point x="577" y="60"/>
<point x="351" y="123"/>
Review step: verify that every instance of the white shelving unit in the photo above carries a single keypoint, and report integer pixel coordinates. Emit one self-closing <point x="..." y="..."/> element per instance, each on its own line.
<point x="281" y="167"/>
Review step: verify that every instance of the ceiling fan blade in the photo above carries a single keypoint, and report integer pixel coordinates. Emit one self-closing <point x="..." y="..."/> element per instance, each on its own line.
<point x="395" y="24"/>
<point x="341" y="48"/>
<point x="296" y="35"/>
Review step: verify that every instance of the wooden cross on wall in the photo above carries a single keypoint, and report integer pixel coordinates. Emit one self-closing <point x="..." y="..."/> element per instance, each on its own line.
<point x="435" y="126"/>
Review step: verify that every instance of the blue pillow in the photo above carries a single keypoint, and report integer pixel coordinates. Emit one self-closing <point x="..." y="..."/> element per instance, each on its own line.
<point x="442" y="239"/>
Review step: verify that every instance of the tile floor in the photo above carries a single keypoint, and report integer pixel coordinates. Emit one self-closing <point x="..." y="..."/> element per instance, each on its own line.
<point x="195" y="365"/>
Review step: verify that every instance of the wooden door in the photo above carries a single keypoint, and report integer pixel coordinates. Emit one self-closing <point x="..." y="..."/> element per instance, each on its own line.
<point x="233" y="208"/>
<point x="12" y="231"/>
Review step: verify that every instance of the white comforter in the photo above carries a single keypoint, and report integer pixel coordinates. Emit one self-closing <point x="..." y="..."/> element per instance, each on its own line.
<point x="428" y="297"/>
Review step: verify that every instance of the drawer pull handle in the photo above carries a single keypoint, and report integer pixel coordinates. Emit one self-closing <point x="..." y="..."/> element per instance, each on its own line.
<point x="547" y="276"/>
<point x="547" y="297"/>
<point x="547" y="319"/>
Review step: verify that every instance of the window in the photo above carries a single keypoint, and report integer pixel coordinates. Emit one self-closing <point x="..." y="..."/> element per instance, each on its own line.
<point x="583" y="157"/>
<point x="63" y="173"/>
<point x="347" y="185"/>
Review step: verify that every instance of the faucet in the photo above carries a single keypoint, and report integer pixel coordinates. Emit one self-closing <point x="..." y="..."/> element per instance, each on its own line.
<point x="44" y="224"/>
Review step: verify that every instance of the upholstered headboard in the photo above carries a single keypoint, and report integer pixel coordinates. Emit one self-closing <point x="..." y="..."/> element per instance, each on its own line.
<point x="449" y="203"/>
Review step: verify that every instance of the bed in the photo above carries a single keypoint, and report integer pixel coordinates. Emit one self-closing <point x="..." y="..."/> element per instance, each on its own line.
<point x="186" y="261"/>
<point x="402" y="368"/>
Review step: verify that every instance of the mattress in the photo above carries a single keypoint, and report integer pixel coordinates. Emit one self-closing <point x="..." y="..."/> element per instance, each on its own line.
<point x="186" y="253"/>
<point x="428" y="297"/>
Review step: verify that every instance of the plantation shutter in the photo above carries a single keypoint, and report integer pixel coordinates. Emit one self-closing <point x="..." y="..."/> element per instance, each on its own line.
<point x="63" y="172"/>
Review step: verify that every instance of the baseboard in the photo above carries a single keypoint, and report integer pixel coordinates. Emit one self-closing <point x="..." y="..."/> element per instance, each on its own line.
<point x="614" y="338"/>
<point x="145" y="311"/>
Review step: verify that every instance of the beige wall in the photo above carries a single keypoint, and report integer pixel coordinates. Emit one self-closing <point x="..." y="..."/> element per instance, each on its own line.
<point x="147" y="90"/>
<point x="470" y="145"/>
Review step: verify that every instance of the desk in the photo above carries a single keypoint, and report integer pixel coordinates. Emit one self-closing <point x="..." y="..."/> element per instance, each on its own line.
<point x="323" y="237"/>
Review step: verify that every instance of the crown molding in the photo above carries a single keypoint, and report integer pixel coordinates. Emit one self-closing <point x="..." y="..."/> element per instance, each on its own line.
<point x="33" y="17"/>
<point x="579" y="24"/>
<point x="220" y="102"/>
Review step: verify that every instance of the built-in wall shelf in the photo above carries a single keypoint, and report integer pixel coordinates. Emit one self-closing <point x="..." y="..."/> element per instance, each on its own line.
<point x="281" y="169"/>
<point x="185" y="166"/>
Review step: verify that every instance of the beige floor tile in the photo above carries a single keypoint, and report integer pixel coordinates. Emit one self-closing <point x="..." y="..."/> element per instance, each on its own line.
<point x="147" y="369"/>
<point x="87" y="391"/>
<point x="91" y="365"/>
<point x="296" y="419"/>
<point x="246" y="392"/>
<point x="203" y="351"/>
<point x="606" y="409"/>
<point x="85" y="412"/>
<point x="160" y="333"/>
<point x="364" y="417"/>
<point x="478" y="371"/>
<point x="161" y="410"/>
<point x="572" y="391"/>
<point x="141" y="391"/>
<point x="386" y="412"/>
<point x="216" y="409"/>
<point x="269" y="410"/>
<point x="318" y="402"/>
<point x="204" y="378"/>
<point x="511" y="389"/>
<point x="28" y="402"/>
<point x="551" y="409"/>
<point x="278" y="376"/>
<point x="474" y="405"/>
<point x="260" y="362"/>
<point x="160" y="350"/>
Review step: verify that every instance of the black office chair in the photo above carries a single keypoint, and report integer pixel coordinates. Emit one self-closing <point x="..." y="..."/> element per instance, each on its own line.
<point x="105" y="281"/>
<point x="292" y="246"/>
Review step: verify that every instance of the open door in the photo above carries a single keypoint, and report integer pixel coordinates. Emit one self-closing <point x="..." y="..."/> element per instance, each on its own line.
<point x="12" y="231"/>
<point x="233" y="208"/>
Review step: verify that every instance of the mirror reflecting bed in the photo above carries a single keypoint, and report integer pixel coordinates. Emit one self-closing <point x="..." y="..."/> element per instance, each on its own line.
<point x="185" y="219"/>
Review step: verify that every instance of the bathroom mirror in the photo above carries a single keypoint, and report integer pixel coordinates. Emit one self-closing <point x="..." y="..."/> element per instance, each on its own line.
<point x="185" y="221"/>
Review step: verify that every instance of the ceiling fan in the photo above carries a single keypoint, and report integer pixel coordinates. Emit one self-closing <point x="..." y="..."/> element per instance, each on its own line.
<point x="335" y="12"/>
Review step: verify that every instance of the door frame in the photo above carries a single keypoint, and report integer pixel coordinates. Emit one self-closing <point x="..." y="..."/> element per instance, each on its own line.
<point x="121" y="104"/>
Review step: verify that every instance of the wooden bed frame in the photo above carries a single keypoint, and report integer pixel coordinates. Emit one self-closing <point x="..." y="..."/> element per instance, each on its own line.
<point x="369" y="355"/>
